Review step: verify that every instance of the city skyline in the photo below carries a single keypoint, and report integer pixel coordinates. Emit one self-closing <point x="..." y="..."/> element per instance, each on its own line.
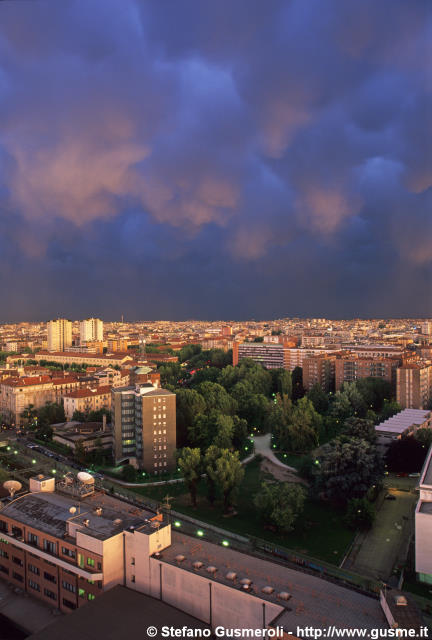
<point x="250" y="160"/>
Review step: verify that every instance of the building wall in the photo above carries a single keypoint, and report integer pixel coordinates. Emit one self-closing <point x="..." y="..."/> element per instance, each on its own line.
<point x="158" y="433"/>
<point x="414" y="386"/>
<point x="59" y="334"/>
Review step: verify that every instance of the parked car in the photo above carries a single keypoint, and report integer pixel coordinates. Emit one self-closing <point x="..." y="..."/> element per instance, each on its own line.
<point x="414" y="475"/>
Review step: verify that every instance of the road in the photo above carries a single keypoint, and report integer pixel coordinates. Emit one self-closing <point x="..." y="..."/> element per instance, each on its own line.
<point x="376" y="552"/>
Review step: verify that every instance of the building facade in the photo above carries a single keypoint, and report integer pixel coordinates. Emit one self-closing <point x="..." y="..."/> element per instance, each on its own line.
<point x="351" y="368"/>
<point x="319" y="370"/>
<point x="86" y="400"/>
<point x="91" y="330"/>
<point x="414" y="386"/>
<point x="144" y="426"/>
<point x="59" y="334"/>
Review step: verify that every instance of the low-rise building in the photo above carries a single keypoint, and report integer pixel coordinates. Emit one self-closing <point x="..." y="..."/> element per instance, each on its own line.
<point x="402" y="424"/>
<point x="86" y="400"/>
<point x="91" y="435"/>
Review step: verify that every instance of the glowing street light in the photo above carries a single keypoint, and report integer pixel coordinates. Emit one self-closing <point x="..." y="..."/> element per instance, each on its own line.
<point x="200" y="533"/>
<point x="177" y="523"/>
<point x="225" y="543"/>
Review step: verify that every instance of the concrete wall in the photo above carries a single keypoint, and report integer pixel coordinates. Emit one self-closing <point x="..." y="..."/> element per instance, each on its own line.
<point x="423" y="542"/>
<point x="201" y="597"/>
<point x="113" y="566"/>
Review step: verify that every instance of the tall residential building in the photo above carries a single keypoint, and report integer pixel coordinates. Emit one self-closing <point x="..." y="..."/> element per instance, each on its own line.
<point x="91" y="330"/>
<point x="269" y="355"/>
<point x="414" y="385"/>
<point x="319" y="370"/>
<point x="144" y="426"/>
<point x="59" y="334"/>
<point x="351" y="368"/>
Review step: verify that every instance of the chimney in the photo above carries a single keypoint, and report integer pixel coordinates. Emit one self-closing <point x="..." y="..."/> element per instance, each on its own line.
<point x="104" y="422"/>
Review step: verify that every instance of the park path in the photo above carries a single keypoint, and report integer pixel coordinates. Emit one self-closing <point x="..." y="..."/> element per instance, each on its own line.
<point x="262" y="447"/>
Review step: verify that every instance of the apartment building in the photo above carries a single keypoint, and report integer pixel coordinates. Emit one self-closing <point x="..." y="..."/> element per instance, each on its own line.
<point x="414" y="385"/>
<point x="144" y="426"/>
<point x="294" y="357"/>
<point x="319" y="370"/>
<point x="80" y="358"/>
<point x="269" y="355"/>
<point x="86" y="400"/>
<point x="59" y="334"/>
<point x="16" y="394"/>
<point x="350" y="368"/>
<point x="91" y="330"/>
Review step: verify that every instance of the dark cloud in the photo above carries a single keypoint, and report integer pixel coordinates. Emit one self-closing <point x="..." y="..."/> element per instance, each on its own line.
<point x="223" y="159"/>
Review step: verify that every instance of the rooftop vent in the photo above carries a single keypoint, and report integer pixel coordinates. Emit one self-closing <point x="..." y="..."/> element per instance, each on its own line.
<point x="284" y="595"/>
<point x="86" y="522"/>
<point x="157" y="555"/>
<point x="267" y="590"/>
<point x="180" y="558"/>
<point x="211" y="569"/>
<point x="245" y="581"/>
<point x="246" y="587"/>
<point x="197" y="565"/>
<point x="231" y="575"/>
<point x="118" y="521"/>
<point x="401" y="601"/>
<point x="98" y="511"/>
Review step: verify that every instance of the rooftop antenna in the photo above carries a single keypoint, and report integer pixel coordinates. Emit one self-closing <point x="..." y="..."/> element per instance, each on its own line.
<point x="167" y="503"/>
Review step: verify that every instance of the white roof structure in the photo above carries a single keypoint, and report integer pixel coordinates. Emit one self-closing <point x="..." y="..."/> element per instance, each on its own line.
<point x="403" y="421"/>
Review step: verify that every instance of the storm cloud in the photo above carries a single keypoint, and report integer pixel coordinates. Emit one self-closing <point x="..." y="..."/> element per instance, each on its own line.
<point x="215" y="159"/>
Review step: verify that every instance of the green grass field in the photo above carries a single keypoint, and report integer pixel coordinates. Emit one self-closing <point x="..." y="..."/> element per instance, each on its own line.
<point x="320" y="531"/>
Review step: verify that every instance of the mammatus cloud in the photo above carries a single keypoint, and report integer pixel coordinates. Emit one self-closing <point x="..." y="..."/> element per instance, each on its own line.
<point x="239" y="137"/>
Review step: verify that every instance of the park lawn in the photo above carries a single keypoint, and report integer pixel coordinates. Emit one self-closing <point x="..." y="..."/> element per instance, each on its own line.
<point x="4" y="475"/>
<point x="320" y="531"/>
<point x="291" y="459"/>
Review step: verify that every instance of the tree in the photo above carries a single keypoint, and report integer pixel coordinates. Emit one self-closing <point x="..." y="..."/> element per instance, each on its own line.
<point x="406" y="454"/>
<point x="190" y="404"/>
<point x="228" y="475"/>
<point x="207" y="374"/>
<point x="281" y="382"/>
<point x="129" y="473"/>
<point x="190" y="464"/>
<point x="51" y="413"/>
<point x="225" y="431"/>
<point x="300" y="427"/>
<point x="217" y="398"/>
<point x="79" y="416"/>
<point x="360" y="428"/>
<point x="389" y="409"/>
<point x="375" y="392"/>
<point x="297" y="384"/>
<point x="360" y="513"/>
<point x="318" y="398"/>
<point x="44" y="432"/>
<point x="187" y="352"/>
<point x="240" y="432"/>
<point x="170" y="373"/>
<point x="29" y="414"/>
<point x="80" y="453"/>
<point x="424" y="436"/>
<point x="280" y="504"/>
<point x="346" y="468"/>
<point x="211" y="456"/>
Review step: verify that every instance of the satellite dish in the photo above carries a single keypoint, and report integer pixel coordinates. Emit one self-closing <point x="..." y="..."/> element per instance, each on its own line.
<point x="85" y="478"/>
<point x="72" y="510"/>
<point x="12" y="486"/>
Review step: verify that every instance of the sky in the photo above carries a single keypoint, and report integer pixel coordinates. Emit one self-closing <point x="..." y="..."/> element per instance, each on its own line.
<point x="175" y="159"/>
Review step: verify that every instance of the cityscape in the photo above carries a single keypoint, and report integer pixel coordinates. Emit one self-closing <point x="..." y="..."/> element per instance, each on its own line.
<point x="216" y="319"/>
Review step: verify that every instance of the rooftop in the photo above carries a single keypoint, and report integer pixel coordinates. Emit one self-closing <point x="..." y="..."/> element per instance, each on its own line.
<point x="313" y="601"/>
<point x="403" y="421"/>
<point x="49" y="512"/>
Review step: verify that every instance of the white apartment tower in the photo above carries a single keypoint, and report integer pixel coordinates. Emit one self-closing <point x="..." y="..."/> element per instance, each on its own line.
<point x="90" y="330"/>
<point x="59" y="334"/>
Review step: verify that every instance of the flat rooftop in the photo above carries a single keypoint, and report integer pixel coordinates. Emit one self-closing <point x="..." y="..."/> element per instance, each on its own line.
<point x="403" y="421"/>
<point x="49" y="512"/>
<point x="315" y="602"/>
<point x="115" y="614"/>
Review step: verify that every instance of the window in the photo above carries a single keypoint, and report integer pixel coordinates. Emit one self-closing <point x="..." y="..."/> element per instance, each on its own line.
<point x="68" y="552"/>
<point x="17" y="561"/>
<point x="50" y="594"/>
<point x="99" y="566"/>
<point x="81" y="593"/>
<point x="49" y="547"/>
<point x="68" y="586"/>
<point x="50" y="577"/>
<point x="68" y="604"/>
<point x="90" y="562"/>
<point x="17" y="576"/>
<point x="91" y="596"/>
<point x="3" y="554"/>
<point x="33" y="569"/>
<point x="17" y="532"/>
<point x="3" y="526"/>
<point x="4" y="569"/>
<point x="132" y="560"/>
<point x="34" y="585"/>
<point x="33" y="539"/>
